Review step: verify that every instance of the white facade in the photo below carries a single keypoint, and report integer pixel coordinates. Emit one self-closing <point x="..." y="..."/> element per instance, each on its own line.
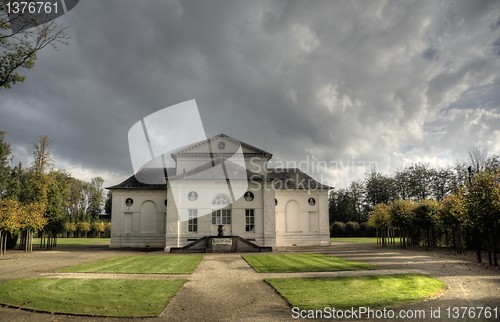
<point x="279" y="214"/>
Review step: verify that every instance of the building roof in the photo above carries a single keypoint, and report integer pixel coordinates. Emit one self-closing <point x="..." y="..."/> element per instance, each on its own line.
<point x="211" y="171"/>
<point x="283" y="178"/>
<point x="294" y="179"/>
<point x="133" y="183"/>
<point x="187" y="149"/>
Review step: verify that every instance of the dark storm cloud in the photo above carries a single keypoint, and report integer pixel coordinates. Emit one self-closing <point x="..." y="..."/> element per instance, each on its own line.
<point x="388" y="82"/>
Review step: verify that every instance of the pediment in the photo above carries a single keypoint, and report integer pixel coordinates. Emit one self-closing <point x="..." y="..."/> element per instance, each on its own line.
<point x="220" y="145"/>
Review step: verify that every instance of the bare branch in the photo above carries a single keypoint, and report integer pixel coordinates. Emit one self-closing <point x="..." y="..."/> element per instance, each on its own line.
<point x="20" y="48"/>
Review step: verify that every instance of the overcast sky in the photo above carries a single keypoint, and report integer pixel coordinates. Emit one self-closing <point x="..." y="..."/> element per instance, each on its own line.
<point x="342" y="83"/>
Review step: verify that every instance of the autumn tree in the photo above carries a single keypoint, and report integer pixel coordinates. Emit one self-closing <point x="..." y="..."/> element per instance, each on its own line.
<point x="483" y="211"/>
<point x="380" y="218"/>
<point x="453" y="219"/>
<point x="9" y="221"/>
<point x="83" y="228"/>
<point x="31" y="220"/>
<point x="426" y="216"/>
<point x="401" y="212"/>
<point x="70" y="229"/>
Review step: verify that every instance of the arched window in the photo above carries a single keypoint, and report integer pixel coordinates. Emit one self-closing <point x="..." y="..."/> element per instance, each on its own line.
<point x="221" y="216"/>
<point x="221" y="200"/>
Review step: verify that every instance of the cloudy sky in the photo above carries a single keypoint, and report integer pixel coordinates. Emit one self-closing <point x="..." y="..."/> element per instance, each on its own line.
<point x="346" y="84"/>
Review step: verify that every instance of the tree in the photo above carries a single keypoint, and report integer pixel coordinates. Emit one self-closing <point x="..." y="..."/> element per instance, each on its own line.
<point x="31" y="219"/>
<point x="347" y="204"/>
<point x="95" y="198"/>
<point x="54" y="212"/>
<point x="379" y="188"/>
<point x="9" y="221"/>
<point x="98" y="228"/>
<point x="380" y="218"/>
<point x="420" y="179"/>
<point x="402" y="183"/>
<point x="402" y="217"/>
<point x="443" y="183"/>
<point x="477" y="158"/>
<point x="70" y="229"/>
<point x="21" y="45"/>
<point x="453" y="218"/>
<point x="15" y="182"/>
<point x="4" y="164"/>
<point x="352" y="228"/>
<point x="41" y="155"/>
<point x="108" y="204"/>
<point x="83" y="228"/>
<point x="337" y="229"/>
<point x="483" y="211"/>
<point x="426" y="215"/>
<point x="356" y="192"/>
<point x="76" y="200"/>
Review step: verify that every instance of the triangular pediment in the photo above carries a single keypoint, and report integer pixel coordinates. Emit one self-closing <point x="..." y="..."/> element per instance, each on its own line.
<point x="220" y="144"/>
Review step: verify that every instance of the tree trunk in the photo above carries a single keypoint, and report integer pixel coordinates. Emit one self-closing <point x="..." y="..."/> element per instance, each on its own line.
<point x="477" y="241"/>
<point x="31" y="241"/>
<point x="26" y="242"/>
<point x="495" y="248"/>
<point x="489" y="246"/>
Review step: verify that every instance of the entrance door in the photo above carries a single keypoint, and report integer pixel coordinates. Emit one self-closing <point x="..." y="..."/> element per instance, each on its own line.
<point x="221" y="217"/>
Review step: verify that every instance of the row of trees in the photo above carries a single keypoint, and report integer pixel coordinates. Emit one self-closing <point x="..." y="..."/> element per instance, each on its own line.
<point x="15" y="216"/>
<point x="85" y="229"/>
<point x="469" y="217"/>
<point x="454" y="206"/>
<point x="61" y="198"/>
<point x="416" y="182"/>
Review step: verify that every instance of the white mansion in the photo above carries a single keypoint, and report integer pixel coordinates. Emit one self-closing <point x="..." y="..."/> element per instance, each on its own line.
<point x="269" y="207"/>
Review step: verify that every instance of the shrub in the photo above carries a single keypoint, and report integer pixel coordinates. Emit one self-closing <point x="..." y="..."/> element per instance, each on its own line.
<point x="352" y="229"/>
<point x="337" y="229"/>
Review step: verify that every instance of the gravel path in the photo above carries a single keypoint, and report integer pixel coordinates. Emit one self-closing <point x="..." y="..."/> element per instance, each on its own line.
<point x="225" y="288"/>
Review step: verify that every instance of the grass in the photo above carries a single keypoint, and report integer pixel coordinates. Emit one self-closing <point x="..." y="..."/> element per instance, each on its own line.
<point x="291" y="263"/>
<point x="103" y="297"/>
<point x="371" y="240"/>
<point x="139" y="264"/>
<point x="77" y="241"/>
<point x="347" y="292"/>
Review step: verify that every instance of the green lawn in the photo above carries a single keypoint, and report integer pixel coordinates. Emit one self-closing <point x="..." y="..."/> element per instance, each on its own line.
<point x="140" y="264"/>
<point x="366" y="291"/>
<point x="290" y="263"/>
<point x="105" y="297"/>
<point x="77" y="241"/>
<point x="371" y="240"/>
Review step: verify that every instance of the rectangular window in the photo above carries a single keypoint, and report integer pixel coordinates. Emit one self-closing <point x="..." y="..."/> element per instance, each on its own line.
<point x="249" y="220"/>
<point x="193" y="220"/>
<point x="221" y="217"/>
<point x="226" y="216"/>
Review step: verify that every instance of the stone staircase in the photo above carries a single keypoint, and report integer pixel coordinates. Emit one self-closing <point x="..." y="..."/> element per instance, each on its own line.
<point x="225" y="244"/>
